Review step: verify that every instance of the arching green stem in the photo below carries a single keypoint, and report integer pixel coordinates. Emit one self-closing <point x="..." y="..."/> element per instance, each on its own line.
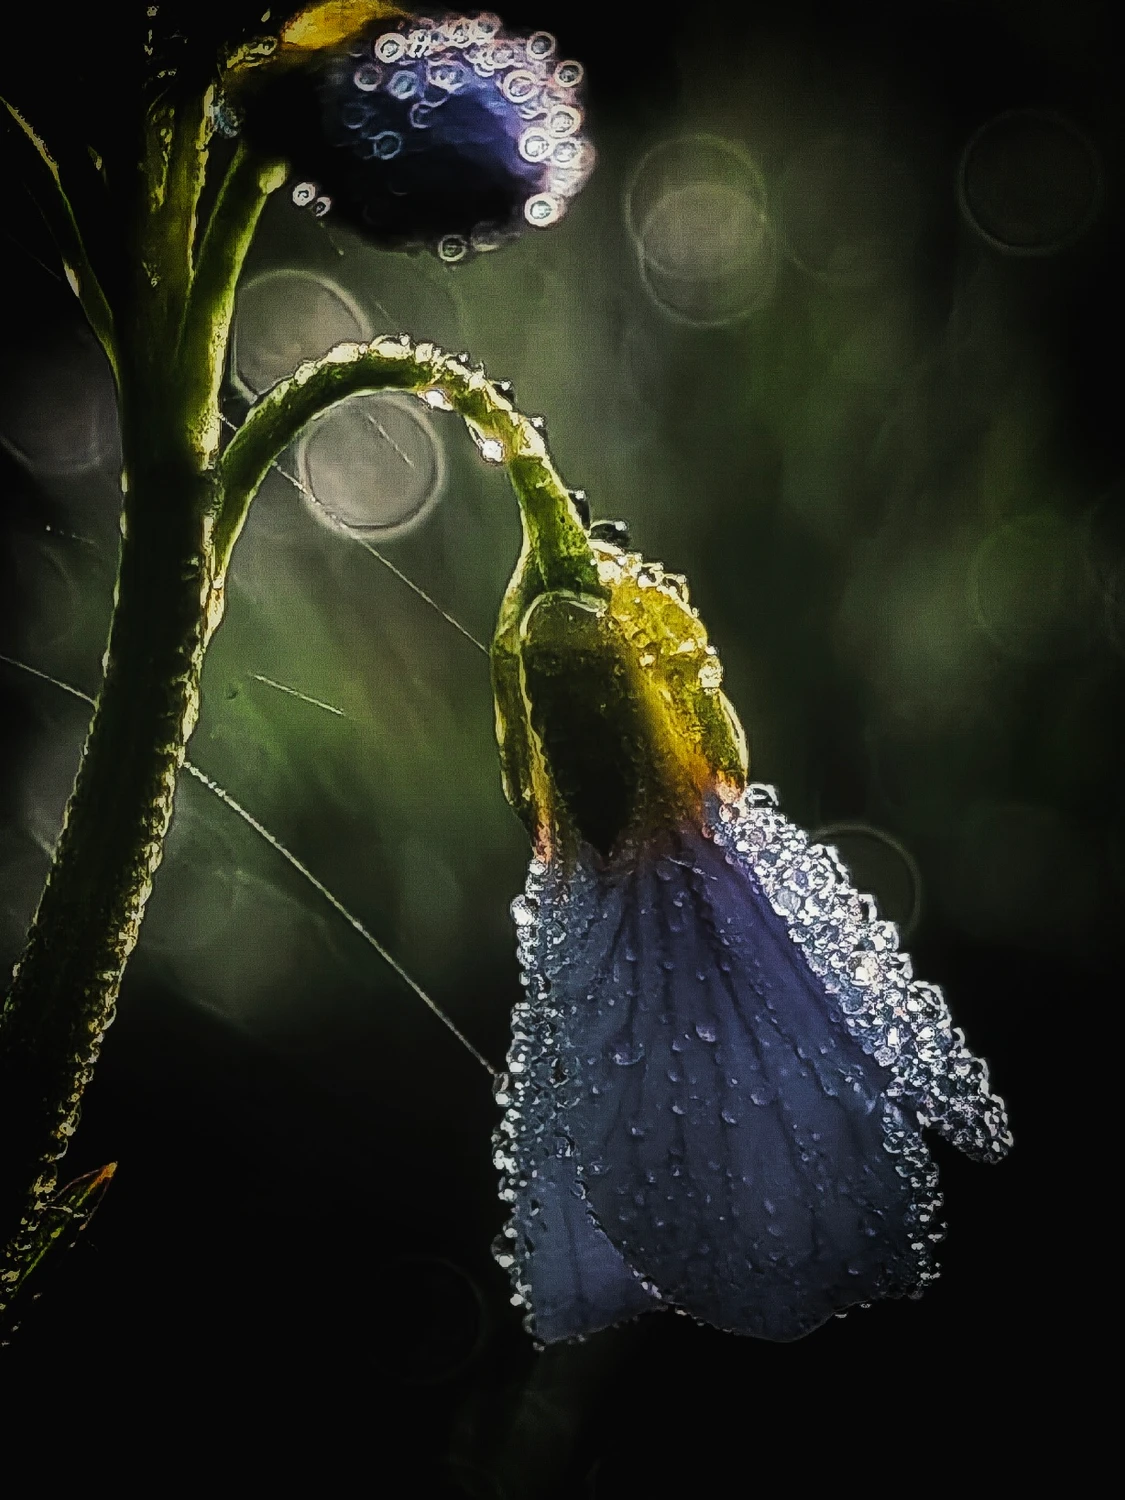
<point x="553" y="529"/>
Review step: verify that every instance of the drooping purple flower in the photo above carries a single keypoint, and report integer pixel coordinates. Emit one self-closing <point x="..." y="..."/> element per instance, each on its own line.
<point x="720" y="1075"/>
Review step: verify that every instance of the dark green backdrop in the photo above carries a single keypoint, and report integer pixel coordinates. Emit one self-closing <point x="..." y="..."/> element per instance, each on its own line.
<point x="889" y="466"/>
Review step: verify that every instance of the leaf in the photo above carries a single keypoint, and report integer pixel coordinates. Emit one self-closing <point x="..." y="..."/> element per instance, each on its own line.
<point x="61" y="1222"/>
<point x="68" y="240"/>
<point x="65" y="1217"/>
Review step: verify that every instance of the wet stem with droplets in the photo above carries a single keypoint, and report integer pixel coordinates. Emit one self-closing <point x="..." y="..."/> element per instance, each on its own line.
<point x="185" y="502"/>
<point x="166" y="340"/>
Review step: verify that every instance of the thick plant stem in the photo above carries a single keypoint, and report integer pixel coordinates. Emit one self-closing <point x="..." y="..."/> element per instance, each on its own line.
<point x="168" y="603"/>
<point x="65" y="986"/>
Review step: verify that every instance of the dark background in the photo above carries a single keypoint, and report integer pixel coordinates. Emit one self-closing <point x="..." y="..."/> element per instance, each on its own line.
<point x="897" y="494"/>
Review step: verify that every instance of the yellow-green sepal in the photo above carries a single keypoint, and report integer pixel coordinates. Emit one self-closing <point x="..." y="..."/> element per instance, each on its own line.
<point x="609" y="711"/>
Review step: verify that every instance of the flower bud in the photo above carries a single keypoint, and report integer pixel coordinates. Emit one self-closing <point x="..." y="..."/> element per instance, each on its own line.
<point x="450" y="134"/>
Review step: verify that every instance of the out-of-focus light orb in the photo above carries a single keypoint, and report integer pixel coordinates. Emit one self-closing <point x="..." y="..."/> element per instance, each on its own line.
<point x="58" y="409"/>
<point x="905" y="622"/>
<point x="1030" y="182"/>
<point x="230" y="939"/>
<point x="696" y="210"/>
<point x="372" y="465"/>
<point x="1031" y="589"/>
<point x="849" y="212"/>
<point x="881" y="867"/>
<point x="285" y="317"/>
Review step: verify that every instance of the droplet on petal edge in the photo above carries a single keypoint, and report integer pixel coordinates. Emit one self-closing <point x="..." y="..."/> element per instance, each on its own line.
<point x="847" y="945"/>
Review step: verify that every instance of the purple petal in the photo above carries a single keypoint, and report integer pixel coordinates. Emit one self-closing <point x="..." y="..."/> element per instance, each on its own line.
<point x="724" y="1047"/>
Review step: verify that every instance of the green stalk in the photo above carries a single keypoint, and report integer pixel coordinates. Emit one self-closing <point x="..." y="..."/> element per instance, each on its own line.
<point x="184" y="509"/>
<point x="171" y="350"/>
<point x="553" y="529"/>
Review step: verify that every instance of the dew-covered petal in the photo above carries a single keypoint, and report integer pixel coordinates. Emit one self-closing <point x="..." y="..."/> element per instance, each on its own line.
<point x="576" y="1282"/>
<point x="747" y="1134"/>
<point x="564" y="1269"/>
<point x="739" y="1130"/>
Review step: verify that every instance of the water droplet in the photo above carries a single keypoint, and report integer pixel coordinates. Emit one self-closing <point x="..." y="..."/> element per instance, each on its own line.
<point x="864" y="969"/>
<point x="626" y="1053"/>
<point x="563" y="121"/>
<point x="386" y="144"/>
<point x="418" y="41"/>
<point x="367" y="77"/>
<point x="304" y="194"/>
<point x="322" y="205"/>
<point x="568" y="75"/>
<point x="540" y="45"/>
<point x="519" y="85"/>
<point x="535" y="144"/>
<point x="403" y="84"/>
<point x="421" y="115"/>
<point x="760" y="794"/>
<point x="490" y="449"/>
<point x="543" y="209"/>
<point x="436" y="399"/>
<point x="389" y="47"/>
<point x="452" y="248"/>
<point x="458" y="31"/>
<point x="728" y="1117"/>
<point x="448" y="76"/>
<point x="711" y="673"/>
<point x="705" y="1031"/>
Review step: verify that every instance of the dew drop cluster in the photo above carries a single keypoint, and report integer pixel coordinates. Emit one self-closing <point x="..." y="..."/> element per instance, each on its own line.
<point x="452" y="134"/>
<point x="719" y="1077"/>
<point x="903" y="1022"/>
